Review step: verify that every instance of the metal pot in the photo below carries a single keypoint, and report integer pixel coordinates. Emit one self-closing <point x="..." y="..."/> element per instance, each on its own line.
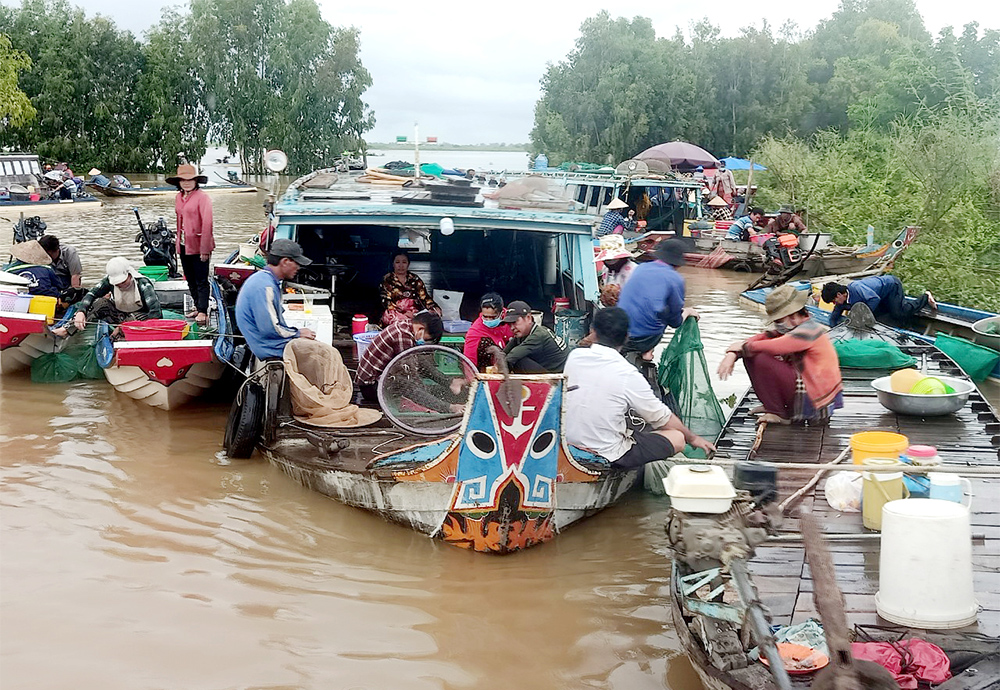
<point x="924" y="405"/>
<point x="991" y="340"/>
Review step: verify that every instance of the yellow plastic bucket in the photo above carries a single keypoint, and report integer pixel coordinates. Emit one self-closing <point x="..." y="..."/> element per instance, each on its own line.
<point x="43" y="304"/>
<point x="879" y="488"/>
<point x="877" y="444"/>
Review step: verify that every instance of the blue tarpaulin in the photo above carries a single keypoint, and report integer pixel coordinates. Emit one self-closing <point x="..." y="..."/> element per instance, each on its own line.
<point x="741" y="164"/>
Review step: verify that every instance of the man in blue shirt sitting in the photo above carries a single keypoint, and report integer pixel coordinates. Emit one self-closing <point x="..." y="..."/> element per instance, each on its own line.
<point x="742" y="229"/>
<point x="258" y="306"/>
<point x="653" y="298"/>
<point x="883" y="294"/>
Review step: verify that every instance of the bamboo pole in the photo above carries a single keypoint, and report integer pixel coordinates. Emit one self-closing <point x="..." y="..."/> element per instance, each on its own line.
<point x="788" y="502"/>
<point x="971" y="470"/>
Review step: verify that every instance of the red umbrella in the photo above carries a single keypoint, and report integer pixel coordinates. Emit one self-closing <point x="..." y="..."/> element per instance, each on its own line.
<point x="680" y="154"/>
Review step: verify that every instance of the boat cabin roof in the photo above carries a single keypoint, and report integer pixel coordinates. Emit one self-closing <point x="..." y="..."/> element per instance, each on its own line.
<point x="18" y="168"/>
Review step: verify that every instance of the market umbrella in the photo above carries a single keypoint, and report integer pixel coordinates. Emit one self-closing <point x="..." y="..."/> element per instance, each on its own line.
<point x="679" y="154"/>
<point x="740" y="164"/>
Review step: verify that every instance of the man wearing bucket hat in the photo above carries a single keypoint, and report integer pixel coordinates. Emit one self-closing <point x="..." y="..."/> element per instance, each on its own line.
<point x="793" y="366"/>
<point x="614" y="220"/>
<point x="123" y="295"/>
<point x="32" y="262"/>
<point x="195" y="240"/>
<point x="653" y="298"/>
<point x="259" y="312"/>
<point x="787" y="221"/>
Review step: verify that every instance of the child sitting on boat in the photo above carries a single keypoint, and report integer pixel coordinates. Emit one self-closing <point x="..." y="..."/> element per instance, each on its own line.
<point x="793" y="366"/>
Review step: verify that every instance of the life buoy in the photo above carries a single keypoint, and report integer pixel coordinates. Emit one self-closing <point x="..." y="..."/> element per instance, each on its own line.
<point x="246" y="421"/>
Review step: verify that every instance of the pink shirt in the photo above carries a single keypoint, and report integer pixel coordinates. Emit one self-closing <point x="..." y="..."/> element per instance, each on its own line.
<point x="194" y="223"/>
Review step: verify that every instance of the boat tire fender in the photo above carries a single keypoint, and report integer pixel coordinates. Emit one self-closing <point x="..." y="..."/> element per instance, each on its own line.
<point x="246" y="421"/>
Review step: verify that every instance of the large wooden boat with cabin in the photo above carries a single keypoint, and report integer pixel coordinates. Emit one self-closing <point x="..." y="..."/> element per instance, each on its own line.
<point x="498" y="476"/>
<point x="23" y="189"/>
<point x="738" y="571"/>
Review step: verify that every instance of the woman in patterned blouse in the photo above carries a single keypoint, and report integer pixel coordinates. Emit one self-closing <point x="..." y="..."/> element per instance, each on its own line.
<point x="403" y="293"/>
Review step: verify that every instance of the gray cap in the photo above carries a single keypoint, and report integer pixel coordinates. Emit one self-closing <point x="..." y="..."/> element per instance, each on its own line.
<point x="289" y="249"/>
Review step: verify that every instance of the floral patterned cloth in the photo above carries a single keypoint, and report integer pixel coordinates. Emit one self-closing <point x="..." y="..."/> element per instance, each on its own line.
<point x="403" y="300"/>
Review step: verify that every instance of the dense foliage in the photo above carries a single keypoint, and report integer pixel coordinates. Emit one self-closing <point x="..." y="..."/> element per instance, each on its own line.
<point x="253" y="74"/>
<point x="866" y="119"/>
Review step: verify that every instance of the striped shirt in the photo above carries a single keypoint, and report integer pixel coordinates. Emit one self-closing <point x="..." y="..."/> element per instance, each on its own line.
<point x="397" y="337"/>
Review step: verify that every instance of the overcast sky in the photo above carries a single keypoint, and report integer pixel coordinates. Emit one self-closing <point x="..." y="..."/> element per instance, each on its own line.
<point x="469" y="72"/>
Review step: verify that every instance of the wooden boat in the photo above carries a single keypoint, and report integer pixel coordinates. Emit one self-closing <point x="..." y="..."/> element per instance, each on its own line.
<point x="18" y="172"/>
<point x="163" y="190"/>
<point x="714" y="629"/>
<point x="951" y="319"/>
<point x="23" y="338"/>
<point x="169" y="373"/>
<point x="499" y="484"/>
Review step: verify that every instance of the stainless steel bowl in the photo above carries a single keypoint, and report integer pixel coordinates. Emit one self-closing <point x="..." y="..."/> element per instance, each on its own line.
<point x="924" y="405"/>
<point x="991" y="340"/>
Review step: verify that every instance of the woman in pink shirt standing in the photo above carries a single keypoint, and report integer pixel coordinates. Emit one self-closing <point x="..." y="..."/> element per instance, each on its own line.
<point x="195" y="240"/>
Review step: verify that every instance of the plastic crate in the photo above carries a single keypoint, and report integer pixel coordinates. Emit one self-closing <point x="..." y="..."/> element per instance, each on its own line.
<point x="155" y="329"/>
<point x="15" y="302"/>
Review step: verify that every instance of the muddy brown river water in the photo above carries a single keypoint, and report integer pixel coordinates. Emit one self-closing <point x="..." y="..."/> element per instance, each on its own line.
<point x="134" y="555"/>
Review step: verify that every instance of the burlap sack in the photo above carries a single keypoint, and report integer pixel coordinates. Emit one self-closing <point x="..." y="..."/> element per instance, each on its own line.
<point x="321" y="387"/>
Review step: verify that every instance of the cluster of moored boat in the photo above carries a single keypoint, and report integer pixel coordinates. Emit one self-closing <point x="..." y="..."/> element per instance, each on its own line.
<point x="500" y="477"/>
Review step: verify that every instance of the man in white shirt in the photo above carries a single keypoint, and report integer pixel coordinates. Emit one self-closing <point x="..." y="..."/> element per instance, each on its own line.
<point x="603" y="387"/>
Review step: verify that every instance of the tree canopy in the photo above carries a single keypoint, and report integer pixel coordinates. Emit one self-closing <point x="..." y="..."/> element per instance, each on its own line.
<point x="253" y="74"/>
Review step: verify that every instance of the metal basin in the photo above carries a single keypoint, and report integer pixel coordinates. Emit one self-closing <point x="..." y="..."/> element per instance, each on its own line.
<point x="991" y="340"/>
<point x="924" y="405"/>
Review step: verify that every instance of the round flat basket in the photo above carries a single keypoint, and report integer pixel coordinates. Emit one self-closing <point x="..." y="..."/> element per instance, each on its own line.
<point x="424" y="389"/>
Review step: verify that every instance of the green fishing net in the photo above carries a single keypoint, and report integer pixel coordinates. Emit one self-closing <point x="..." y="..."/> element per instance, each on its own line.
<point x="53" y="367"/>
<point x="977" y="361"/>
<point x="871" y="354"/>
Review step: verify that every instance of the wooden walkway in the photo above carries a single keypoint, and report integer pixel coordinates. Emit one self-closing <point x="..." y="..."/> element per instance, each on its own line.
<point x="970" y="437"/>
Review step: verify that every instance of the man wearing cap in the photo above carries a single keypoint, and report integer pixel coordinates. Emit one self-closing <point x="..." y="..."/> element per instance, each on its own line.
<point x="744" y="228"/>
<point x="653" y="298"/>
<point x="123" y="295"/>
<point x="787" y="221"/>
<point x="533" y="350"/>
<point x="258" y="306"/>
<point x="793" y="366"/>
<point x="34" y="264"/>
<point x="614" y="220"/>
<point x="604" y="388"/>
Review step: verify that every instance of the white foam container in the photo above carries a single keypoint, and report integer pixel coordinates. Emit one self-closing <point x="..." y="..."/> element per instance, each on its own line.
<point x="925" y="565"/>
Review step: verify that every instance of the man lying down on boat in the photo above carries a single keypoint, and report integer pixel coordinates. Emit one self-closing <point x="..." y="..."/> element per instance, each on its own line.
<point x="793" y="366"/>
<point x="603" y="387"/>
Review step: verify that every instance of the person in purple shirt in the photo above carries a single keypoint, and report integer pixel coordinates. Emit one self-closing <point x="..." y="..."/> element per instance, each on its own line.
<point x="653" y="298"/>
<point x="883" y="294"/>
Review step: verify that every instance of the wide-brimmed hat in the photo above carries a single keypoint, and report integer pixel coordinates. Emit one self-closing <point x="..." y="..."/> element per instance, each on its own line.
<point x="671" y="252"/>
<point x="717" y="201"/>
<point x="31" y="252"/>
<point x="118" y="270"/>
<point x="187" y="172"/>
<point x="783" y="301"/>
<point x="94" y="171"/>
<point x="612" y="247"/>
<point x="786" y="208"/>
<point x="616" y="203"/>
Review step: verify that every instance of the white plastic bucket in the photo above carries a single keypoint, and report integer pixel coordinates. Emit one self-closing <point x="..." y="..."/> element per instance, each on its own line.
<point x="925" y="566"/>
<point x="363" y="340"/>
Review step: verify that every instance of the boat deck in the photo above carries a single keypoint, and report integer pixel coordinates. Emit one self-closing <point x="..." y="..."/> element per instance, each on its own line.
<point x="970" y="437"/>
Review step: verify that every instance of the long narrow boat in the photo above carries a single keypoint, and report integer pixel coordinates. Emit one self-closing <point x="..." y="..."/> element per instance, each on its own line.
<point x="169" y="373"/>
<point x="164" y="190"/>
<point x="493" y="481"/>
<point x="21" y="171"/>
<point x="951" y="319"/>
<point x="23" y="339"/>
<point x="715" y="628"/>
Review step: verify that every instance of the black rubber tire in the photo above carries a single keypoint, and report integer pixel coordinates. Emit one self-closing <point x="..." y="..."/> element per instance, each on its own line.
<point x="245" y="423"/>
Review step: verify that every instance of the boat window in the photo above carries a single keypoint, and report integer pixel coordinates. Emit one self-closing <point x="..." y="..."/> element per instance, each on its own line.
<point x="18" y="170"/>
<point x="7" y="170"/>
<point x="34" y="167"/>
<point x="581" y="194"/>
<point x="595" y="197"/>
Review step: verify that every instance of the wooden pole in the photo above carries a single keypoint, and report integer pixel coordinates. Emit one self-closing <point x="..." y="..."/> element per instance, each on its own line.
<point x="788" y="502"/>
<point x="971" y="470"/>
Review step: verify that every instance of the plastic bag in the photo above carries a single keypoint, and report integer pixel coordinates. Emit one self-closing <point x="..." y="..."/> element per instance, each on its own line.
<point x="843" y="491"/>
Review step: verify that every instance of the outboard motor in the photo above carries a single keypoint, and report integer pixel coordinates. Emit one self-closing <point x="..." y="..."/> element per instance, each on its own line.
<point x="158" y="244"/>
<point x="782" y="251"/>
<point x="30" y="228"/>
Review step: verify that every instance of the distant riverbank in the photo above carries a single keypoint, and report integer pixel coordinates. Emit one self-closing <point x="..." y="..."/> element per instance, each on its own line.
<point x="408" y="146"/>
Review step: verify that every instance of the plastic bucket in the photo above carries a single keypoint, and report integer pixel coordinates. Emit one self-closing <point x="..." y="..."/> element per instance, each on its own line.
<point x="363" y="340"/>
<point x="877" y="444"/>
<point x="359" y="324"/>
<point x="155" y="273"/>
<point x="43" y="304"/>
<point x="925" y="565"/>
<point x="570" y="327"/>
<point x="560" y="303"/>
<point x="878" y="489"/>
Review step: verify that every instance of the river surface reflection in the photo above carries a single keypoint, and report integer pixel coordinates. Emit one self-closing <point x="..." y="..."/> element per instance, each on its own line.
<point x="133" y="555"/>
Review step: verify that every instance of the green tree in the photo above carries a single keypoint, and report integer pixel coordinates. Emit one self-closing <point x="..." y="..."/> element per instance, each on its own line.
<point x="15" y="106"/>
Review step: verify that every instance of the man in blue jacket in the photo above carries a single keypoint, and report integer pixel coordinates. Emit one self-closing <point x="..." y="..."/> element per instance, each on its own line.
<point x="33" y="263"/>
<point x="883" y="294"/>
<point x="258" y="306"/>
<point x="653" y="298"/>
